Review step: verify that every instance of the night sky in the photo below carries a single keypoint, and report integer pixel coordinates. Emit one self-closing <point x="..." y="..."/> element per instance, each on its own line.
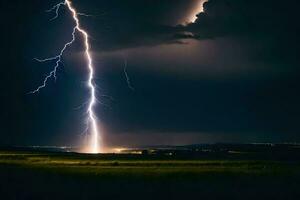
<point x="231" y="76"/>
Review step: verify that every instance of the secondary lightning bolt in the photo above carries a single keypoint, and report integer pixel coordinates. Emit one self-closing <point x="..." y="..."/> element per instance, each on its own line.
<point x="127" y="76"/>
<point x="93" y="146"/>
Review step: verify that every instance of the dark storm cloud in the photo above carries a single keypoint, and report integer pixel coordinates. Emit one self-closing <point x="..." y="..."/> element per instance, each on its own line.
<point x="233" y="17"/>
<point x="124" y="24"/>
<point x="141" y="23"/>
<point x="272" y="24"/>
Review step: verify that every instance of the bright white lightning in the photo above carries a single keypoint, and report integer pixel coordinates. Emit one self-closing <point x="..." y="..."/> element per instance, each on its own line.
<point x="93" y="146"/>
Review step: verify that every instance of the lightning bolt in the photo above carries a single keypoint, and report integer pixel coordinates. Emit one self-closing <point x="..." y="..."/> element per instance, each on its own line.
<point x="127" y="76"/>
<point x="93" y="146"/>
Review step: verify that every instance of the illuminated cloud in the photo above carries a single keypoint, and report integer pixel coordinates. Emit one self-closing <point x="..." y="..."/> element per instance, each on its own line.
<point x="198" y="8"/>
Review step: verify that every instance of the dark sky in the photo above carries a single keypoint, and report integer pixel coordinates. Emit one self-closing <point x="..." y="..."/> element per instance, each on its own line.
<point x="232" y="76"/>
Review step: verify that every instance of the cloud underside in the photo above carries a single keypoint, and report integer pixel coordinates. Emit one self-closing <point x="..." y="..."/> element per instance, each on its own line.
<point x="221" y="18"/>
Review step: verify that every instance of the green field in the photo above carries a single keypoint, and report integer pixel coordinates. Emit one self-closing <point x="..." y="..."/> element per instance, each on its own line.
<point x="107" y="165"/>
<point x="124" y="175"/>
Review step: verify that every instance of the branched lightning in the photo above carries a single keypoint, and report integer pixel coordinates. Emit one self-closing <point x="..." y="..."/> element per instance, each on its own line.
<point x="92" y="122"/>
<point x="56" y="8"/>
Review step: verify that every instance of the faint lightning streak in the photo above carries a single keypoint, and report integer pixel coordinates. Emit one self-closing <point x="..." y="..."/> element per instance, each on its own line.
<point x="93" y="146"/>
<point x="127" y="76"/>
<point x="56" y="8"/>
<point x="85" y="15"/>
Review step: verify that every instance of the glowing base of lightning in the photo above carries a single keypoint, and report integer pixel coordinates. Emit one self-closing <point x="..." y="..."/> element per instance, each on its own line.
<point x="93" y="144"/>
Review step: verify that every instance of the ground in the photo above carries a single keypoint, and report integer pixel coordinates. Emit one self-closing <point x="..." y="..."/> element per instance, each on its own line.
<point x="45" y="175"/>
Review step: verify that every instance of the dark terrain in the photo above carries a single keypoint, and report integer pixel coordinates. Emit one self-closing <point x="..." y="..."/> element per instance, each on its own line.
<point x="190" y="172"/>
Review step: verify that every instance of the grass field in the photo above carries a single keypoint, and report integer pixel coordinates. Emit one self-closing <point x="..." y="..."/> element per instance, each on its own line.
<point x="30" y="175"/>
